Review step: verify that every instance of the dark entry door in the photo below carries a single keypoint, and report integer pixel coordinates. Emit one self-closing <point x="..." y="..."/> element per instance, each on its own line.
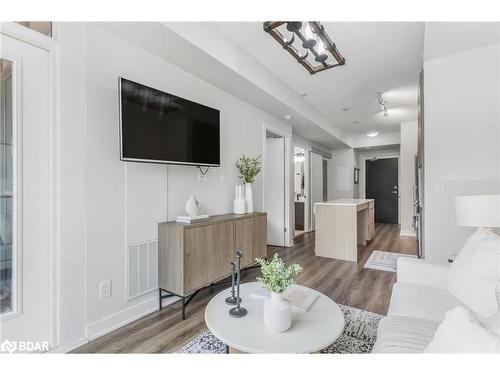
<point x="382" y="185"/>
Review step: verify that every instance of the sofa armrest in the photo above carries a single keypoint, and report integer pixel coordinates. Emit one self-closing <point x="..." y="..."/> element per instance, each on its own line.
<point x="418" y="271"/>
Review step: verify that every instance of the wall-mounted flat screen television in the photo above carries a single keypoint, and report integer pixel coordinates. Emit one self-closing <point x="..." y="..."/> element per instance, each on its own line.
<point x="158" y="127"/>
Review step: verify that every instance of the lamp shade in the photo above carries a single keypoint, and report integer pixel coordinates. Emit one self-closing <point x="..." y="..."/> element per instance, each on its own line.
<point x="478" y="211"/>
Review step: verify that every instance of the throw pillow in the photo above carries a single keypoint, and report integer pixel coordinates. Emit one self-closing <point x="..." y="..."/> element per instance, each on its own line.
<point x="475" y="273"/>
<point x="461" y="333"/>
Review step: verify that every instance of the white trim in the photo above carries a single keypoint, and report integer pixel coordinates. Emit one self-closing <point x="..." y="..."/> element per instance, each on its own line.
<point x="27" y="35"/>
<point x="51" y="45"/>
<point x="124" y="317"/>
<point x="288" y="155"/>
<point x="307" y="186"/>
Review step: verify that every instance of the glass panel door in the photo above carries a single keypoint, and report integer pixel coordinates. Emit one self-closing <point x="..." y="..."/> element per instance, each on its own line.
<point x="6" y="188"/>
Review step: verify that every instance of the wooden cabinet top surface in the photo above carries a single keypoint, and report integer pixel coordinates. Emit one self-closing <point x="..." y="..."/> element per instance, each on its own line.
<point x="214" y="220"/>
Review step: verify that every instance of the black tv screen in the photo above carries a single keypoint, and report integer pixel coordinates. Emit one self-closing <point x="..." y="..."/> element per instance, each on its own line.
<point x="158" y="127"/>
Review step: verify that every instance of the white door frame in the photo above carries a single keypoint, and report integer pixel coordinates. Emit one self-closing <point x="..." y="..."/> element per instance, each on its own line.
<point x="307" y="185"/>
<point x="51" y="45"/>
<point x="288" y="176"/>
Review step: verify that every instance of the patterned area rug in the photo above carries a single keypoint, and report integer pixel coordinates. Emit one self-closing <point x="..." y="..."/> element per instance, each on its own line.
<point x="359" y="335"/>
<point x="384" y="260"/>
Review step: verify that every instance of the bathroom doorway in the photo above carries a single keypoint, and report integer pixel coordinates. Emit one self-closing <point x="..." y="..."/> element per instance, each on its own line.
<point x="301" y="206"/>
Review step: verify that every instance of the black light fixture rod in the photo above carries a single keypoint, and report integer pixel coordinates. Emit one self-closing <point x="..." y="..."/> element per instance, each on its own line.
<point x="304" y="39"/>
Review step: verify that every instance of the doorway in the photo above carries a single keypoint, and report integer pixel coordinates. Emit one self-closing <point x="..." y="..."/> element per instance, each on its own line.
<point x="383" y="186"/>
<point x="275" y="188"/>
<point x="300" y="196"/>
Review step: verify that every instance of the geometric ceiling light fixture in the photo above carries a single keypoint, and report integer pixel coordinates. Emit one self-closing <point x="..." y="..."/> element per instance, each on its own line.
<point x="307" y="42"/>
<point x="383" y="104"/>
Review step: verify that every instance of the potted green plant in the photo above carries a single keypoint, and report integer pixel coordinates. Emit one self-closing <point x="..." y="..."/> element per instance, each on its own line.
<point x="276" y="278"/>
<point x="248" y="169"/>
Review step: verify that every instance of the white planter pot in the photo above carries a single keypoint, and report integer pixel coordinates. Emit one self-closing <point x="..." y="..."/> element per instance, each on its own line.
<point x="239" y="204"/>
<point x="249" y="198"/>
<point x="277" y="313"/>
<point x="192" y="206"/>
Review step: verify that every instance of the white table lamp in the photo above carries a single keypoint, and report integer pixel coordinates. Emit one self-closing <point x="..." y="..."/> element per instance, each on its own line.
<point x="480" y="211"/>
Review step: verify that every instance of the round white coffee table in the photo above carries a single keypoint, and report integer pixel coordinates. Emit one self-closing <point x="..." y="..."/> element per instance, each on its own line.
<point x="310" y="331"/>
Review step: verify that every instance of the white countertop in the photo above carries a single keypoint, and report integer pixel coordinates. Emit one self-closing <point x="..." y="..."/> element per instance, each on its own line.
<point x="344" y="202"/>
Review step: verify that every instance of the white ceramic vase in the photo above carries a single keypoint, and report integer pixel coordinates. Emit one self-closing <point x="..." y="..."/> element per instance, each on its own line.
<point x="192" y="206"/>
<point x="249" y="198"/>
<point x="239" y="204"/>
<point x="277" y="313"/>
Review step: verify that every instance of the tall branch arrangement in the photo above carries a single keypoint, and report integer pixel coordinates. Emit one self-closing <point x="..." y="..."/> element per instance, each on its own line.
<point x="249" y="168"/>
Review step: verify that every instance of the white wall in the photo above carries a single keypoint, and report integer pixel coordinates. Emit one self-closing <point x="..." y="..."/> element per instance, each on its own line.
<point x="108" y="203"/>
<point x="462" y="140"/>
<point x="72" y="154"/>
<point x="341" y="174"/>
<point x="409" y="132"/>
<point x="383" y="139"/>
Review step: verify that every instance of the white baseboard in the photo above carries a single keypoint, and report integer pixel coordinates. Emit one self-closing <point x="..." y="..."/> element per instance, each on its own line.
<point x="123" y="317"/>
<point x="408" y="233"/>
<point x="68" y="348"/>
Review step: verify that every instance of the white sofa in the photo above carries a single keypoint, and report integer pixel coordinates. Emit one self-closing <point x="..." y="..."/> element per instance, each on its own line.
<point x="418" y="304"/>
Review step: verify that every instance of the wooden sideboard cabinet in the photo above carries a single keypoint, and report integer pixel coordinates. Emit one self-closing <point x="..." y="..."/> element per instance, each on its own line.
<point x="193" y="256"/>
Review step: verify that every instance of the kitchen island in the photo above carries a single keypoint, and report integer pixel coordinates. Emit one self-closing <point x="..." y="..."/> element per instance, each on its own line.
<point x="341" y="225"/>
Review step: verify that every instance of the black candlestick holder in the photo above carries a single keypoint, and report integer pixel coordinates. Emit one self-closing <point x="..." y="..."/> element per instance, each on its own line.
<point x="232" y="300"/>
<point x="238" y="311"/>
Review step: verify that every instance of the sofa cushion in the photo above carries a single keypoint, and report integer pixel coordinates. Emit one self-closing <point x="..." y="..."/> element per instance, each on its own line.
<point x="461" y="333"/>
<point x="401" y="334"/>
<point x="422" y="302"/>
<point x="475" y="273"/>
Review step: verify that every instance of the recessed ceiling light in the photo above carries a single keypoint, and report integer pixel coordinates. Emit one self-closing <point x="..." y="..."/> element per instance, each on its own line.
<point x="372" y="134"/>
<point x="345" y="109"/>
<point x="287" y="116"/>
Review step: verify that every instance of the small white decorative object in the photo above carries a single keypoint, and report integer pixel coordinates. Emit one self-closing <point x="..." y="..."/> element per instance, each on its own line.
<point x="192" y="206"/>
<point x="277" y="313"/>
<point x="239" y="204"/>
<point x="249" y="197"/>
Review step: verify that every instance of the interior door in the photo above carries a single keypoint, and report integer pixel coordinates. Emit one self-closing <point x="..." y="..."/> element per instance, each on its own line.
<point x="316" y="183"/>
<point x="26" y="235"/>
<point x="274" y="190"/>
<point x="382" y="185"/>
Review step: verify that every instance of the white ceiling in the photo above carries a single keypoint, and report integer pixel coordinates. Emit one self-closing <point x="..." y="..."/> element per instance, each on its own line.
<point x="380" y="56"/>
<point x="449" y="38"/>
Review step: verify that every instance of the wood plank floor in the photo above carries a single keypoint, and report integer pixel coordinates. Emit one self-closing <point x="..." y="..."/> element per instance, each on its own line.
<point x="345" y="282"/>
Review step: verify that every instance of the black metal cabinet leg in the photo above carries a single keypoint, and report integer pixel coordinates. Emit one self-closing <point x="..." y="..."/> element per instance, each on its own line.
<point x="183" y="308"/>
